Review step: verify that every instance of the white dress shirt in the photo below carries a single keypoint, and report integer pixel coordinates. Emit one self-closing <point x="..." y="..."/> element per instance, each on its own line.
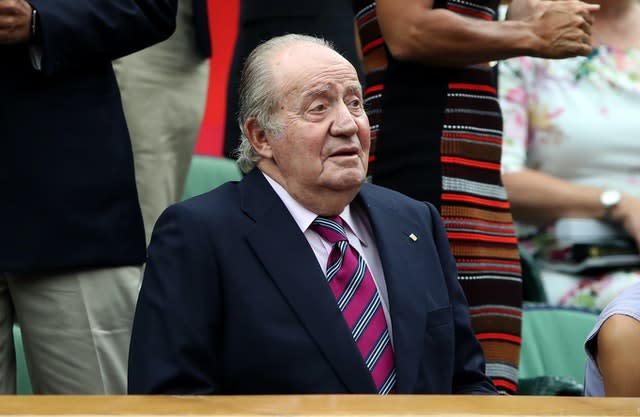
<point x="359" y="234"/>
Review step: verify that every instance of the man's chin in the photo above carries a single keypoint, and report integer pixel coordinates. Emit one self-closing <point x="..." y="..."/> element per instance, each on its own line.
<point x="347" y="181"/>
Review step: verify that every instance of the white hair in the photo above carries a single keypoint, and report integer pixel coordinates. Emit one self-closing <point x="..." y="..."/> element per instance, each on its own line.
<point x="258" y="99"/>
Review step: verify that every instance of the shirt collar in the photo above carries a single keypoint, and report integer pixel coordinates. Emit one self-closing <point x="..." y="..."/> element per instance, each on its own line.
<point x="304" y="217"/>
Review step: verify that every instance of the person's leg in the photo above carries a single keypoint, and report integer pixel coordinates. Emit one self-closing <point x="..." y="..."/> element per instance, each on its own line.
<point x="594" y="291"/>
<point x="7" y="351"/>
<point x="163" y="91"/>
<point x="76" y="328"/>
<point x="558" y="285"/>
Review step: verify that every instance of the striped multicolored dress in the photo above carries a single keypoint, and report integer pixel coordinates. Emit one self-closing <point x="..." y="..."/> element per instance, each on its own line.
<point x="437" y="136"/>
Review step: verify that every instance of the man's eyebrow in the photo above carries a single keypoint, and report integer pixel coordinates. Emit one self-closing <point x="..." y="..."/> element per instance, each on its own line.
<point x="315" y="92"/>
<point x="354" y="89"/>
<point x="327" y="89"/>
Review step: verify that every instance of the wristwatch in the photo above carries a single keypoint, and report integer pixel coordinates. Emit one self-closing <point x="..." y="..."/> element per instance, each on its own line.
<point x="609" y="199"/>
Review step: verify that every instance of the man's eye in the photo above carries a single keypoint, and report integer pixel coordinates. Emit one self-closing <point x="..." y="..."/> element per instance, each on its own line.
<point x="356" y="106"/>
<point x="318" y="107"/>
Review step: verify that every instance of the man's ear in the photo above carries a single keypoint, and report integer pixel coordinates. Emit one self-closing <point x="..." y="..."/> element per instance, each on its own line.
<point x="257" y="135"/>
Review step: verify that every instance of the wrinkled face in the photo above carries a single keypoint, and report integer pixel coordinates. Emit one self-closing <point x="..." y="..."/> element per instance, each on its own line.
<point x="325" y="141"/>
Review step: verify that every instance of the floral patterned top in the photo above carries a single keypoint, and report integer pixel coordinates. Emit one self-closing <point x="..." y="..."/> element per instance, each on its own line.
<point x="576" y="119"/>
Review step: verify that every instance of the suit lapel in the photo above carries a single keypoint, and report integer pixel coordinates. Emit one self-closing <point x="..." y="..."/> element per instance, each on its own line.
<point x="406" y="285"/>
<point x="294" y="269"/>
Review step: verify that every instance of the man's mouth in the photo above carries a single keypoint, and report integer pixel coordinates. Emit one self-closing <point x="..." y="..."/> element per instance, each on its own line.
<point x="344" y="152"/>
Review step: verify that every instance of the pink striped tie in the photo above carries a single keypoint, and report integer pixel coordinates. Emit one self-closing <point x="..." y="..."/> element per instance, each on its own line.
<point x="358" y="299"/>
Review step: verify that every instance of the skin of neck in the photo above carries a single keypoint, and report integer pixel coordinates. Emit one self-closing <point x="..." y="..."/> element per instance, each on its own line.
<point x="323" y="202"/>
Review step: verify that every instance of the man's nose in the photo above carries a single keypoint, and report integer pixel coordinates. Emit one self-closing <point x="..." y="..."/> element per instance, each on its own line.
<point x="344" y="123"/>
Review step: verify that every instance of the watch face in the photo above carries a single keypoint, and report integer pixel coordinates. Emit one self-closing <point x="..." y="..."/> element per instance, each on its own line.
<point x="610" y="198"/>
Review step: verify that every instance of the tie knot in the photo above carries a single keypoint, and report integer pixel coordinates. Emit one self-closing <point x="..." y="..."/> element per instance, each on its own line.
<point x="330" y="228"/>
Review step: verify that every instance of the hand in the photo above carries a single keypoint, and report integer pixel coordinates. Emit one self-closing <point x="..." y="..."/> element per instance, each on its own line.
<point x="15" y="22"/>
<point x="627" y="214"/>
<point x="563" y="27"/>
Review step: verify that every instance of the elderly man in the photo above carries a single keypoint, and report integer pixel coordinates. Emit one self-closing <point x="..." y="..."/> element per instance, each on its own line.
<point x="300" y="278"/>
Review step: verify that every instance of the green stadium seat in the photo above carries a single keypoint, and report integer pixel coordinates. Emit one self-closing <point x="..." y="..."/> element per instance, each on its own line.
<point x="22" y="375"/>
<point x="552" y="347"/>
<point x="206" y="173"/>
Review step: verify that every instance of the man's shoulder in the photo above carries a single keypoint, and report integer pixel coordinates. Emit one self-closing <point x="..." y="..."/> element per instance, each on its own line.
<point x="382" y="194"/>
<point x="213" y="204"/>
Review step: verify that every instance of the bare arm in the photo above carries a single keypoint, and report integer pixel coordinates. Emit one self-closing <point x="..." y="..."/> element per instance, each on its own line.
<point x="540" y="199"/>
<point x="414" y="31"/>
<point x="617" y="356"/>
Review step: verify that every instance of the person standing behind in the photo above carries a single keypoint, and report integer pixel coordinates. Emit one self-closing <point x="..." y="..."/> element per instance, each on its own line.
<point x="436" y="133"/>
<point x="72" y="233"/>
<point x="568" y="155"/>
<point x="300" y="279"/>
<point x="163" y="91"/>
<point x="260" y="20"/>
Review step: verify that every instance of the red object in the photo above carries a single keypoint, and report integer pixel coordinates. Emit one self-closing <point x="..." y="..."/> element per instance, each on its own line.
<point x="223" y="26"/>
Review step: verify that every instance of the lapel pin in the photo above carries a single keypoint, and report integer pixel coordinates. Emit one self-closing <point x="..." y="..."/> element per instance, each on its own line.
<point x="413" y="237"/>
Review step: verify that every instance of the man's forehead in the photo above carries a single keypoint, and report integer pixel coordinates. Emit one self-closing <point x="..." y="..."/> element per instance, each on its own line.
<point x="323" y="88"/>
<point x="309" y="57"/>
<point x="310" y="69"/>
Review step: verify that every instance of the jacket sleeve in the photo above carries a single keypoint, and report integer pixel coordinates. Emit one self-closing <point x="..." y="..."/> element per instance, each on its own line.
<point x="87" y="33"/>
<point x="469" y="373"/>
<point x="175" y="342"/>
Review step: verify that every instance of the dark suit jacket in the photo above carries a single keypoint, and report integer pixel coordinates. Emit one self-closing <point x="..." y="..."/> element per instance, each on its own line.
<point x="66" y="167"/>
<point x="201" y="27"/>
<point x="261" y="20"/>
<point x="234" y="302"/>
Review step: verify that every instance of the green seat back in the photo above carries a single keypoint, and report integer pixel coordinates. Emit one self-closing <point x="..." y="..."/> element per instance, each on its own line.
<point x="206" y="173"/>
<point x="552" y="341"/>
<point x="22" y="375"/>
